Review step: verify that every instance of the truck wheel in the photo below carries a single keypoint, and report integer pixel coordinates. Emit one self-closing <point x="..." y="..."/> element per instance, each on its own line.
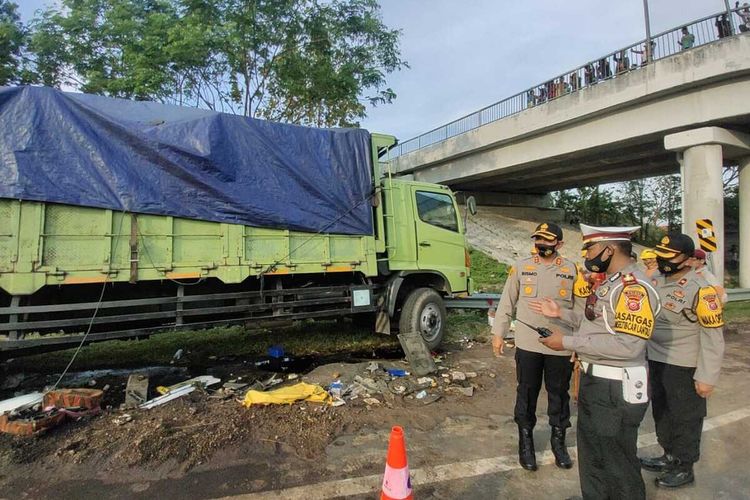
<point x="424" y="312"/>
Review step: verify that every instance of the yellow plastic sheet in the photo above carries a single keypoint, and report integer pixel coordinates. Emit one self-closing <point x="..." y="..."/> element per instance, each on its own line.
<point x="288" y="395"/>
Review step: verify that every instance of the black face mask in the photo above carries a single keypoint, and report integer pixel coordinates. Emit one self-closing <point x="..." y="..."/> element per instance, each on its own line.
<point x="597" y="265"/>
<point x="544" y="250"/>
<point x="668" y="268"/>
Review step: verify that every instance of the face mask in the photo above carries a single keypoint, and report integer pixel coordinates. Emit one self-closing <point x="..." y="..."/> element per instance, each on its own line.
<point x="544" y="250"/>
<point x="597" y="265"/>
<point x="668" y="268"/>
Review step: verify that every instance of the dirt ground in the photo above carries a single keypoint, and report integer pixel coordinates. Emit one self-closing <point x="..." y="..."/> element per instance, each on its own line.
<point x="201" y="432"/>
<point x="204" y="447"/>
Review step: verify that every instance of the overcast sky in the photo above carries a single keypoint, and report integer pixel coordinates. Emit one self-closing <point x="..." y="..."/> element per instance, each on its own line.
<point x="467" y="54"/>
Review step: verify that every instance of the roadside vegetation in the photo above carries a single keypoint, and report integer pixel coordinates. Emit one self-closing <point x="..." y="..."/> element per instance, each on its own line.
<point x="489" y="275"/>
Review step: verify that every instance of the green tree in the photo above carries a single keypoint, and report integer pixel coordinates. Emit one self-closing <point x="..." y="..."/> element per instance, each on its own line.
<point x="636" y="204"/>
<point x="299" y="61"/>
<point x="12" y="40"/>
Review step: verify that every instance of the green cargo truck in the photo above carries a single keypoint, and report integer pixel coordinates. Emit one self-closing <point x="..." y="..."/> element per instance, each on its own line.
<point x="66" y="270"/>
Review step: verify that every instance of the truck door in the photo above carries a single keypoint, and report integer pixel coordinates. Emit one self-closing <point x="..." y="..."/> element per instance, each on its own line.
<point x="440" y="240"/>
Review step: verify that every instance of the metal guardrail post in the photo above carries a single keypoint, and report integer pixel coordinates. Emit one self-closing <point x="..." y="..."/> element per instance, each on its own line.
<point x="489" y="300"/>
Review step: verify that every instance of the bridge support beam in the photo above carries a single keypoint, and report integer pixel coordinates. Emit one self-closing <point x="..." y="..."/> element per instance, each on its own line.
<point x="745" y="222"/>
<point x="702" y="153"/>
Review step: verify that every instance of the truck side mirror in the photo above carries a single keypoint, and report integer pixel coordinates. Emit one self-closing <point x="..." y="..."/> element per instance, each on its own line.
<point x="471" y="205"/>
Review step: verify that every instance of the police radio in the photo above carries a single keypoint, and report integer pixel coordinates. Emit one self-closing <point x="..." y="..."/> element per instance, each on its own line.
<point x="543" y="332"/>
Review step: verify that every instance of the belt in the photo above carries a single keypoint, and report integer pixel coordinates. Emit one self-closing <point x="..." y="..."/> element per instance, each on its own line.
<point x="602" y="371"/>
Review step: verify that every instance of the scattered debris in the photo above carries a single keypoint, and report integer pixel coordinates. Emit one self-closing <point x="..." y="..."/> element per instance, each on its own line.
<point x="395" y="372"/>
<point x="92" y="383"/>
<point x="178" y="355"/>
<point x="203" y="381"/>
<point x="31" y="422"/>
<point x="136" y="391"/>
<point x="21" y="402"/>
<point x="74" y="399"/>
<point x="336" y="389"/>
<point x="421" y="395"/>
<point x="466" y="391"/>
<point x="417" y="353"/>
<point x="287" y="395"/>
<point x="373" y="367"/>
<point x="456" y="375"/>
<point x="372" y="401"/>
<point x="177" y="393"/>
<point x="122" y="419"/>
<point x="471" y="374"/>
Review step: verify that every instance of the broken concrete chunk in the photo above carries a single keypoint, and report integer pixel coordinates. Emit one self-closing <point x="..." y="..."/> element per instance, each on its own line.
<point x="456" y="375"/>
<point x="136" y="391"/>
<point x="466" y="391"/>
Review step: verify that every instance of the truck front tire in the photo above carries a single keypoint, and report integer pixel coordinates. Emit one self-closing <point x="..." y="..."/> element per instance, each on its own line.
<point x="424" y="312"/>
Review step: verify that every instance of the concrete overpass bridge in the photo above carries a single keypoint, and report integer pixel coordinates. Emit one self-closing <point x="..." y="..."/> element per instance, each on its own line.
<point x="686" y="111"/>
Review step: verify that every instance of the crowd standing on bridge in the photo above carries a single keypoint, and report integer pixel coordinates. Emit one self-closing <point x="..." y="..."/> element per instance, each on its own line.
<point x="628" y="334"/>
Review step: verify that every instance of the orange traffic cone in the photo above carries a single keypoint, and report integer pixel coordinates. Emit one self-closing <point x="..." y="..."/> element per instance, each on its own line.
<point x="396" y="481"/>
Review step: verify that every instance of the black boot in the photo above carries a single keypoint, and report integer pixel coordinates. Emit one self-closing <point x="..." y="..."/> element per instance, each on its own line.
<point x="526" y="455"/>
<point x="679" y="475"/>
<point x="557" y="442"/>
<point x="658" y="464"/>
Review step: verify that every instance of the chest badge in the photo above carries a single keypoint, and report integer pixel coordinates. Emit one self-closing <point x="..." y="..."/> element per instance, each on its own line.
<point x="679" y="294"/>
<point x="563" y="293"/>
<point x="602" y="290"/>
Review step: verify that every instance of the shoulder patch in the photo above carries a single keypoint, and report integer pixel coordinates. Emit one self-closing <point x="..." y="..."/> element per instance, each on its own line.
<point x="633" y="312"/>
<point x="581" y="287"/>
<point x="708" y="308"/>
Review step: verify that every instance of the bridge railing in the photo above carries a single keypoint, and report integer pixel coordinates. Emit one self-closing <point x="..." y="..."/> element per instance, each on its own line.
<point x="619" y="62"/>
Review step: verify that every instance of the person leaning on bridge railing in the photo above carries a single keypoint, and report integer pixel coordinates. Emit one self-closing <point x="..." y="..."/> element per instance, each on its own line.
<point x="723" y="26"/>
<point x="688" y="39"/>
<point x="744" y="14"/>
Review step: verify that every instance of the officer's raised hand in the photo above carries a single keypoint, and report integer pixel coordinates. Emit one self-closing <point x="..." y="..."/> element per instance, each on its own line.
<point x="703" y="390"/>
<point x="546" y="307"/>
<point x="497" y="345"/>
<point x="554" y="341"/>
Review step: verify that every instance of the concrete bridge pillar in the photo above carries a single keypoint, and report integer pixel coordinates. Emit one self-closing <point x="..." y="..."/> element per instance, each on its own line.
<point x="702" y="153"/>
<point x="744" y="222"/>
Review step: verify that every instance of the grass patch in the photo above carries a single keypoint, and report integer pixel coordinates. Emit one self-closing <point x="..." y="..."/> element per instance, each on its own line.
<point x="737" y="311"/>
<point x="471" y="325"/>
<point x="304" y="339"/>
<point x="489" y="275"/>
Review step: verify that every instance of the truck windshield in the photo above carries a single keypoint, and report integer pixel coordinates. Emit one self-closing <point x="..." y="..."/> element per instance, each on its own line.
<point x="437" y="209"/>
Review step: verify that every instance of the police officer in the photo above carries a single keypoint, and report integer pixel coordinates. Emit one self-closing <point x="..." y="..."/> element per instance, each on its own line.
<point x="611" y="340"/>
<point x="684" y="358"/>
<point x="545" y="273"/>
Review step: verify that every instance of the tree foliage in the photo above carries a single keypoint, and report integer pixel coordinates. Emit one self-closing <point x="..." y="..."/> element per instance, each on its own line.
<point x="12" y="40"/>
<point x="654" y="204"/>
<point x="298" y="61"/>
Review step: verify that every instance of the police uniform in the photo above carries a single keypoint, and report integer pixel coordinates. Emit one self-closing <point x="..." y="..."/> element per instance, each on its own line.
<point x="687" y="347"/>
<point x="530" y="279"/>
<point x="610" y="342"/>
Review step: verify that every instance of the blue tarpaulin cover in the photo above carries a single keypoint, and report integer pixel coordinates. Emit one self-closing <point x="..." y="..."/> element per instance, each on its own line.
<point x="152" y="158"/>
